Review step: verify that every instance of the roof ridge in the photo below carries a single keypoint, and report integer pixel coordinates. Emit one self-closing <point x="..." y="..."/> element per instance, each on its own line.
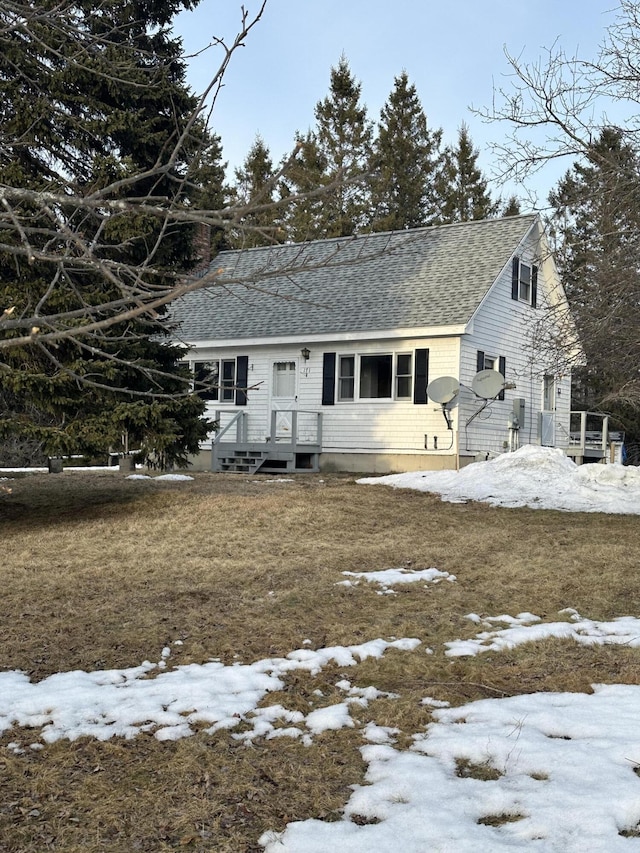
<point x="375" y="234"/>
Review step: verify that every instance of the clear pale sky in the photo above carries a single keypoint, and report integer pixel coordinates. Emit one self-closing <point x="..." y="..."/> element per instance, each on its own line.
<point x="452" y="51"/>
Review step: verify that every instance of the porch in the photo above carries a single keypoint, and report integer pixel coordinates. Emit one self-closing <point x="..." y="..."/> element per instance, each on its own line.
<point x="293" y="445"/>
<point x="590" y="439"/>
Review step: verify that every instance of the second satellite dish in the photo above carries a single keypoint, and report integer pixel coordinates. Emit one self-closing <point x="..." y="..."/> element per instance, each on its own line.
<point x="487" y="384"/>
<point x="443" y="389"/>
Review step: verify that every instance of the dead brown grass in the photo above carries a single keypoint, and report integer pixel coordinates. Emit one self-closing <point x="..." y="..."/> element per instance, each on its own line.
<point x="99" y="571"/>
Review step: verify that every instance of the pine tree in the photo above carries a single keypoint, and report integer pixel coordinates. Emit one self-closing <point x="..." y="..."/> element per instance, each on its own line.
<point x="254" y="187"/>
<point x="404" y="162"/>
<point x="597" y="222"/>
<point x="95" y="99"/>
<point x="463" y="191"/>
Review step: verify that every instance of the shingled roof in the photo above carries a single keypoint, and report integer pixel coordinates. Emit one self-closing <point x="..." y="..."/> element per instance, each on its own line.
<point x="426" y="277"/>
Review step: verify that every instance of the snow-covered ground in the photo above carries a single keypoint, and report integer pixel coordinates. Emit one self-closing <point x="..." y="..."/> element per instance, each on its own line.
<point x="551" y="772"/>
<point x="538" y="477"/>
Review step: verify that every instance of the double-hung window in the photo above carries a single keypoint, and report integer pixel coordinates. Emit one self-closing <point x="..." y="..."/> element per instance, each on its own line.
<point x="524" y="282"/>
<point x="228" y="371"/>
<point x="404" y="376"/>
<point x="346" y="377"/>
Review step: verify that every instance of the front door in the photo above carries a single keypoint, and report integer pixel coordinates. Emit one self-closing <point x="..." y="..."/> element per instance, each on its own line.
<point x="284" y="396"/>
<point x="548" y="414"/>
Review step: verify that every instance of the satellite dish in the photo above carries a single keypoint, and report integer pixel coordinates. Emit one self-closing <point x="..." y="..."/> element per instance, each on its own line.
<point x="443" y="389"/>
<point x="487" y="384"/>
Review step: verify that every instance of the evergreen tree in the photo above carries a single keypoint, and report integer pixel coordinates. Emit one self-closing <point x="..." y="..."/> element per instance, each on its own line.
<point x="344" y="135"/>
<point x="463" y="192"/>
<point x="254" y="188"/>
<point x="512" y="207"/>
<point x="334" y="158"/>
<point x="301" y="189"/>
<point x="92" y="100"/>
<point x="597" y="222"/>
<point x="404" y="162"/>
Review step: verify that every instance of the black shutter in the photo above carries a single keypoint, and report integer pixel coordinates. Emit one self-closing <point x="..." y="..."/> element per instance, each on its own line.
<point x="242" y="370"/>
<point x="328" y="378"/>
<point x="515" y="277"/>
<point x="534" y="286"/>
<point x="421" y="376"/>
<point x="479" y="361"/>
<point x="502" y="367"/>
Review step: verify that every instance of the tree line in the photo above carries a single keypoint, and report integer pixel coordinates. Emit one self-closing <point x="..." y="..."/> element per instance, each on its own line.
<point x="110" y="173"/>
<point x="352" y="176"/>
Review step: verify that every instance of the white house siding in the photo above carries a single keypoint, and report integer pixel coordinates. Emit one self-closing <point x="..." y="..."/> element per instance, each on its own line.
<point x="502" y="327"/>
<point x="359" y="426"/>
<point x="386" y="426"/>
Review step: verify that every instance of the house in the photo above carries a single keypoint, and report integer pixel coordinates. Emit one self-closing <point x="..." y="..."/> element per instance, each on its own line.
<point x="319" y="356"/>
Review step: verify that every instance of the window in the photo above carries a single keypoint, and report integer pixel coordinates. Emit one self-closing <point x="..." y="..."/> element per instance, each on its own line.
<point x="346" y="377"/>
<point x="489" y="363"/>
<point x="284" y="379"/>
<point x="375" y="376"/>
<point x="549" y="394"/>
<point x="206" y="377"/>
<point x="403" y="376"/>
<point x="228" y="380"/>
<point x="524" y="282"/>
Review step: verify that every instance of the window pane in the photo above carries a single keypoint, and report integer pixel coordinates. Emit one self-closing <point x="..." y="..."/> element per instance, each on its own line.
<point x="206" y="373"/>
<point x="404" y="387"/>
<point x="346" y="373"/>
<point x="284" y="379"/>
<point x="375" y="376"/>
<point x="489" y="363"/>
<point x="404" y="364"/>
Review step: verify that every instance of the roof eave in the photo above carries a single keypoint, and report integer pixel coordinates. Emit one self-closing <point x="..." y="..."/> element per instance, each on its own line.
<point x="368" y="335"/>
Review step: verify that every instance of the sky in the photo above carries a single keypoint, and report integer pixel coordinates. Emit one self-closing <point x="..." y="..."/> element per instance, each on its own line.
<point x="563" y="763"/>
<point x="453" y="52"/>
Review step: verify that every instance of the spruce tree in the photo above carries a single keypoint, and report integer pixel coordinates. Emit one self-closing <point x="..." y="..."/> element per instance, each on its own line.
<point x="92" y="101"/>
<point x="463" y="190"/>
<point x="597" y="223"/>
<point x="334" y="156"/>
<point x="404" y="162"/>
<point x="301" y="191"/>
<point x="254" y="188"/>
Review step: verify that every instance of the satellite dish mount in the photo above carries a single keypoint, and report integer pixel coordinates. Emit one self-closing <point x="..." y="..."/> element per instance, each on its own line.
<point x="444" y="390"/>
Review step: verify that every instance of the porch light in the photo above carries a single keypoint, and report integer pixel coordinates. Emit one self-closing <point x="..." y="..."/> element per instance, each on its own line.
<point x="305" y="352"/>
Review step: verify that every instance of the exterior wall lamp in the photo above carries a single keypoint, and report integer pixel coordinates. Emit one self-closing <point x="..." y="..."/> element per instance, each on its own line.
<point x="305" y="352"/>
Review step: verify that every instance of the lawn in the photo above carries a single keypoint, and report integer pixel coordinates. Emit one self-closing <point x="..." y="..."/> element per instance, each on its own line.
<point x="100" y="572"/>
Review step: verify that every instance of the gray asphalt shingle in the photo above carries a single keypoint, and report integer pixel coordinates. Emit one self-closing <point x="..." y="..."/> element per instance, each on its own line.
<point x="426" y="277"/>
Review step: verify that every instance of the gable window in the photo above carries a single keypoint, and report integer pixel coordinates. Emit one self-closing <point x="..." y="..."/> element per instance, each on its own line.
<point x="206" y="379"/>
<point x="524" y="282"/>
<point x="346" y="377"/>
<point x="375" y="376"/>
<point x="404" y="376"/>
